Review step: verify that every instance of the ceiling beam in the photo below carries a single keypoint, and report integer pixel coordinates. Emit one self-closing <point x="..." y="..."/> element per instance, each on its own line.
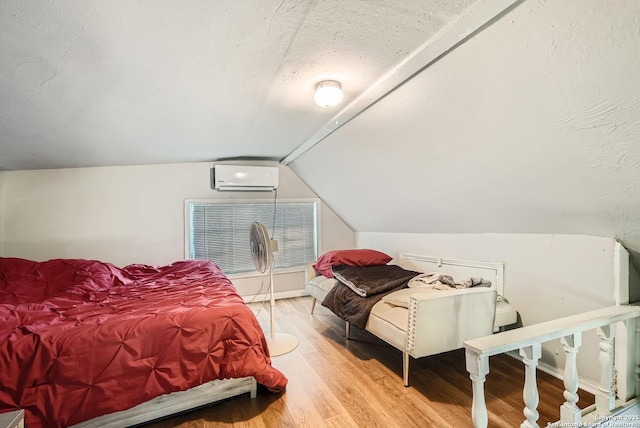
<point x="476" y="17"/>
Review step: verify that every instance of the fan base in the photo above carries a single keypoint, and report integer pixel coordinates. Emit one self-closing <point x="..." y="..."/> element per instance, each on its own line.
<point x="281" y="344"/>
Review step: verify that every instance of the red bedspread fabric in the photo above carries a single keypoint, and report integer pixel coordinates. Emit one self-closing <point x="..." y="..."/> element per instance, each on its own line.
<point x="82" y="338"/>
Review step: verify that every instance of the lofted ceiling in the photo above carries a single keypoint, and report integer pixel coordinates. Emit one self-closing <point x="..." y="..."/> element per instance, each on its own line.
<point x="93" y="83"/>
<point x="530" y="126"/>
<point x="468" y="116"/>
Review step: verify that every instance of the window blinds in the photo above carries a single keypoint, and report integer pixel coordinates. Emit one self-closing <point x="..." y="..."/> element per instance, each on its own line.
<point x="219" y="231"/>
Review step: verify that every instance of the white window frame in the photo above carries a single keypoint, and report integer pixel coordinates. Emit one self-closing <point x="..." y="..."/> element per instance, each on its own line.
<point x="266" y="201"/>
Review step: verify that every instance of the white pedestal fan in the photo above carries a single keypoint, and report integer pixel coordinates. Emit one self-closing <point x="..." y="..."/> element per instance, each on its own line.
<point x="262" y="249"/>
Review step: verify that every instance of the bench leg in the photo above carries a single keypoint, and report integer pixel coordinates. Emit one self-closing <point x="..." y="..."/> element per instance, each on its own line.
<point x="313" y="305"/>
<point x="405" y="368"/>
<point x="347" y="330"/>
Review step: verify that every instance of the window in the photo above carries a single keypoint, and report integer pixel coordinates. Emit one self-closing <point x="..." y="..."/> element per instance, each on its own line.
<point x="219" y="231"/>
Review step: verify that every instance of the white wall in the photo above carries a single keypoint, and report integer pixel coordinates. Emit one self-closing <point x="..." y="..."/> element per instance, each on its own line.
<point x="530" y="126"/>
<point x="129" y="214"/>
<point x="546" y="276"/>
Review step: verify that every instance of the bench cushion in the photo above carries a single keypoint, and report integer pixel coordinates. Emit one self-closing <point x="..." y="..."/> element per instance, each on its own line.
<point x="319" y="286"/>
<point x="389" y="323"/>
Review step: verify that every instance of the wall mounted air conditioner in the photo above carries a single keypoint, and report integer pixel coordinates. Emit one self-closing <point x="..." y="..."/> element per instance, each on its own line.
<point x="244" y="178"/>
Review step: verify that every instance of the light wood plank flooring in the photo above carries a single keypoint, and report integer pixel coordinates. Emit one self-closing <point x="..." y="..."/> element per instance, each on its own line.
<point x="335" y="382"/>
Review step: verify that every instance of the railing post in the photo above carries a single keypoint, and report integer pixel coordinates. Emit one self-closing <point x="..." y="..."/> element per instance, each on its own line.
<point x="531" y="354"/>
<point x="636" y="370"/>
<point x="624" y="360"/>
<point x="569" y="411"/>
<point x="478" y="368"/>
<point x="605" y="399"/>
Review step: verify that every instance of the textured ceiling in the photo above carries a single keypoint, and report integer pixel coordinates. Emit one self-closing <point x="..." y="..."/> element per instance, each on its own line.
<point x="89" y="83"/>
<point x="531" y="126"/>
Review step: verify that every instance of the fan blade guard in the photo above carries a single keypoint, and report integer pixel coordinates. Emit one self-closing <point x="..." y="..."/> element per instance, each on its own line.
<point x="261" y="247"/>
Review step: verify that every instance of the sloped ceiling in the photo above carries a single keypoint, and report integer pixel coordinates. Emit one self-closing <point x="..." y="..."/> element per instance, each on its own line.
<point x="531" y="126"/>
<point x="119" y="82"/>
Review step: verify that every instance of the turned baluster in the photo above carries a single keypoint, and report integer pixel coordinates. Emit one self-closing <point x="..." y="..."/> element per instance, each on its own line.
<point x="569" y="411"/>
<point x="605" y="399"/>
<point x="530" y="356"/>
<point x="478" y="368"/>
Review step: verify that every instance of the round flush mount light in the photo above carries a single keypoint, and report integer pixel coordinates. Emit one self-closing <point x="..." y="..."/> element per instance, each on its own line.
<point x="328" y="93"/>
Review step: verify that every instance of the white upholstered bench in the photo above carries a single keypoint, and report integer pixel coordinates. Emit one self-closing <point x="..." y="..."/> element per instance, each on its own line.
<point x="422" y="322"/>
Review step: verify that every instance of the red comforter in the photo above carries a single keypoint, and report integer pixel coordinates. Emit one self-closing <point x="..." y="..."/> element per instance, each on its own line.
<point x="81" y="338"/>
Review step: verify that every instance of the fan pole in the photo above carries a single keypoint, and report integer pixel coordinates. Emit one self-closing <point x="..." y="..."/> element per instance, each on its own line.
<point x="273" y="304"/>
<point x="280" y="343"/>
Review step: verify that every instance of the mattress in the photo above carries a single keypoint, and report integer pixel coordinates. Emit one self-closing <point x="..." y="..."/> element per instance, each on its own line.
<point x="506" y="315"/>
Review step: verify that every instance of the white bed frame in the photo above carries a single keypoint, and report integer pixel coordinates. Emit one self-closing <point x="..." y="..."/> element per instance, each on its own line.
<point x="169" y="404"/>
<point x="492" y="271"/>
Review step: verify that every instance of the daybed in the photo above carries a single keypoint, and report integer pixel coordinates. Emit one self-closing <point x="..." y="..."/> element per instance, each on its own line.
<point x="421" y="321"/>
<point x="81" y="338"/>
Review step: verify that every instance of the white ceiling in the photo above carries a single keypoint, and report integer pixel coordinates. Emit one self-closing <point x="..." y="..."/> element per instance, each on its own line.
<point x="120" y="82"/>
<point x="529" y="125"/>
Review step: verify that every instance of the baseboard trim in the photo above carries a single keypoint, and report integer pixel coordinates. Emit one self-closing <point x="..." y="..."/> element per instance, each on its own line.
<point x="277" y="295"/>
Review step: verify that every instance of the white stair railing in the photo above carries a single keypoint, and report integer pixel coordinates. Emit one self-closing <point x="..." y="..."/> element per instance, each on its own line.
<point x="528" y="341"/>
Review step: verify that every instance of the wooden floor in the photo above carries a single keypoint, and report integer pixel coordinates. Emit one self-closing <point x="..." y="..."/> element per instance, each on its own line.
<point x="336" y="382"/>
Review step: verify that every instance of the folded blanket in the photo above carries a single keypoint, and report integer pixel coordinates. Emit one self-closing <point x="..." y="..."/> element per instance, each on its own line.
<point x="440" y="281"/>
<point x="371" y="280"/>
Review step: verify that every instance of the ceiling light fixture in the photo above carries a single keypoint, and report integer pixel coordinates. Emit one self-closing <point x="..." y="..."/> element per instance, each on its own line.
<point x="328" y="93"/>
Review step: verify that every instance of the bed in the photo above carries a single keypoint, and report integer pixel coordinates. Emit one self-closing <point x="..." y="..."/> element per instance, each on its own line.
<point x="419" y="321"/>
<point x="85" y="342"/>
